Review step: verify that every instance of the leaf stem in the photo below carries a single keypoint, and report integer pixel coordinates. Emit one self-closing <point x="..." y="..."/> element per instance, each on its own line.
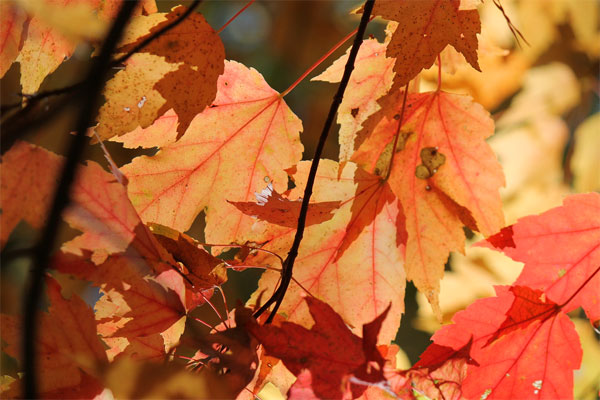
<point x="288" y="265"/>
<point x="320" y="60"/>
<point x="400" y="120"/>
<point x="88" y="97"/>
<point x="235" y="16"/>
<point x="513" y="29"/>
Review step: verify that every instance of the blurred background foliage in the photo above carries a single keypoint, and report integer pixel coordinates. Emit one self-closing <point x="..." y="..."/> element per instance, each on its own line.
<point x="543" y="95"/>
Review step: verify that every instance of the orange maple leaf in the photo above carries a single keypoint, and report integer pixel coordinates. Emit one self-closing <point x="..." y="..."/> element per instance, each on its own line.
<point x="445" y="176"/>
<point x="226" y="154"/>
<point x="425" y="28"/>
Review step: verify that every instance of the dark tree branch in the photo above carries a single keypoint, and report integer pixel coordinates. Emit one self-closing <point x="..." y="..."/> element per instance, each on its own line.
<point x="18" y="124"/>
<point x="88" y="98"/>
<point x="288" y="265"/>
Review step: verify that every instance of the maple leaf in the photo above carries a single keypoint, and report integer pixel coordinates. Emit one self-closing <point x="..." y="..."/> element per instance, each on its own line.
<point x="433" y="24"/>
<point x="11" y="34"/>
<point x="68" y="348"/>
<point x="178" y="70"/>
<point x="319" y="349"/>
<point x="515" y="351"/>
<point x="28" y="177"/>
<point x="354" y="260"/>
<point x="371" y="78"/>
<point x="506" y="366"/>
<point x="445" y="176"/>
<point x="561" y="252"/>
<point x="276" y="209"/>
<point x="110" y="225"/>
<point x="191" y="87"/>
<point x="226" y="153"/>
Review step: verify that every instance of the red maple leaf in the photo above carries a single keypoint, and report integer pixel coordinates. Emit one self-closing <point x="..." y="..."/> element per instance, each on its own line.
<point x="516" y="353"/>
<point x="272" y="207"/>
<point x="329" y="350"/>
<point x="561" y="252"/>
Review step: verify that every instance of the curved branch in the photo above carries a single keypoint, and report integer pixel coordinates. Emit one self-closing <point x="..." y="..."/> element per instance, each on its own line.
<point x="288" y="265"/>
<point x="88" y="98"/>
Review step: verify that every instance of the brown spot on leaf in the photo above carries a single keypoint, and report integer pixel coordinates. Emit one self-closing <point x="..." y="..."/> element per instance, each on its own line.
<point x="422" y="172"/>
<point x="431" y="160"/>
<point x="354" y="112"/>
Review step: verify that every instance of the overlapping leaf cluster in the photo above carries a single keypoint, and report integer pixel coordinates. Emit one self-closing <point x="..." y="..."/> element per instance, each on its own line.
<point x="414" y="170"/>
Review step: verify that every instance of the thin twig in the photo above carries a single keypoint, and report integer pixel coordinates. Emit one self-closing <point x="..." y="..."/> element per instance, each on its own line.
<point x="513" y="29"/>
<point x="88" y="98"/>
<point x="319" y="61"/>
<point x="235" y="16"/>
<point x="288" y="265"/>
